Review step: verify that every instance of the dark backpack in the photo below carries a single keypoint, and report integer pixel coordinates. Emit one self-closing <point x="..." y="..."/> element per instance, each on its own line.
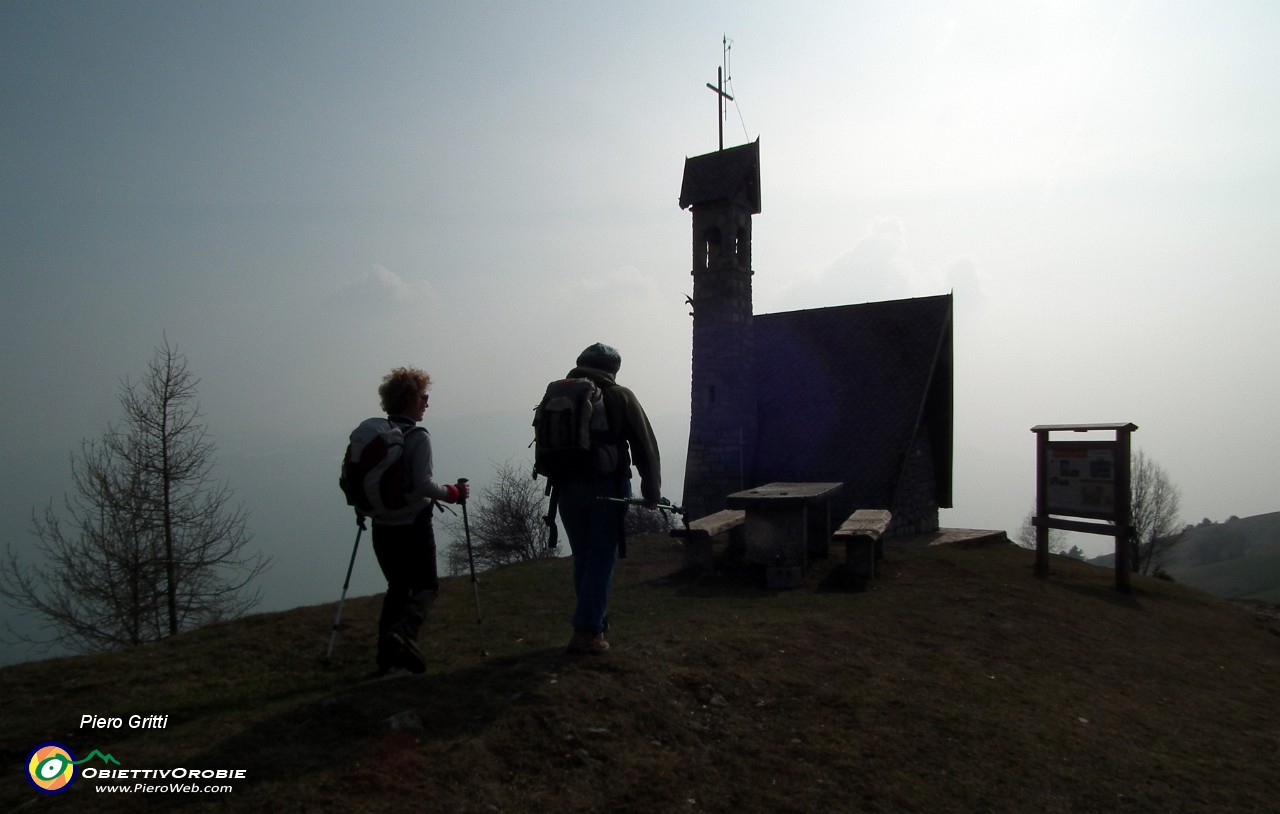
<point x="374" y="477"/>
<point x="571" y="435"/>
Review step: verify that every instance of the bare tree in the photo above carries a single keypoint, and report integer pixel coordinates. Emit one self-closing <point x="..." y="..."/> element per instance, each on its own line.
<point x="640" y="520"/>
<point x="507" y="524"/>
<point x="149" y="544"/>
<point x="1027" y="535"/>
<point x="1155" y="504"/>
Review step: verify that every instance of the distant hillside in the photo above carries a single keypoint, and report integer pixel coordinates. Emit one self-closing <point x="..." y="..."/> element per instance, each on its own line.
<point x="961" y="683"/>
<point x="1237" y="559"/>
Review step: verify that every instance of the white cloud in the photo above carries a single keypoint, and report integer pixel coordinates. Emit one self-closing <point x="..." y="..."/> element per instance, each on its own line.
<point x="383" y="284"/>
<point x="876" y="268"/>
<point x="960" y="275"/>
<point x="623" y="282"/>
<point x="880" y="255"/>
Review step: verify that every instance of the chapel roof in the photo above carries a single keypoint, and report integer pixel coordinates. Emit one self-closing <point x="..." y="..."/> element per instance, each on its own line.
<point x="845" y="392"/>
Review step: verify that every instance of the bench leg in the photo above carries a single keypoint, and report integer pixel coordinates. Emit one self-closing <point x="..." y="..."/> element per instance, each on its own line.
<point x="860" y="554"/>
<point x="737" y="542"/>
<point x="698" y="554"/>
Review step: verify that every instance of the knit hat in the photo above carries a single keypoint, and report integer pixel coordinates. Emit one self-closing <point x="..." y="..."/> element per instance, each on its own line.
<point x="601" y="357"/>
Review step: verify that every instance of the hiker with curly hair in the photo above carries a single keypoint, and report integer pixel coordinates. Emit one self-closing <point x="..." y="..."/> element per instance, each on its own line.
<point x="403" y="540"/>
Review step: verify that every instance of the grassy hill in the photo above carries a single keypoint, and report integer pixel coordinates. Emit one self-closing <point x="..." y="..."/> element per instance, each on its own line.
<point x="1252" y="576"/>
<point x="1237" y="559"/>
<point x="959" y="684"/>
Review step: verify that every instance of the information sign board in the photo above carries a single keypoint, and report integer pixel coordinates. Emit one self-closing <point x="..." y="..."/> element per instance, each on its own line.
<point x="1081" y="479"/>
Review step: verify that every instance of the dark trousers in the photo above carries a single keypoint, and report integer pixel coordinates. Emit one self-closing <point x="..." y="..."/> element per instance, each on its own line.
<point x="407" y="557"/>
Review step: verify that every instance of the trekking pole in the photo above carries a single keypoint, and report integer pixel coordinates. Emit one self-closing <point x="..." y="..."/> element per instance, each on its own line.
<point x="471" y="561"/>
<point x="337" y="617"/>
<point x="663" y="505"/>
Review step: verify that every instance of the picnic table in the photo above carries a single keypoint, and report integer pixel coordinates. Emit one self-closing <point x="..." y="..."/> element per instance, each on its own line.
<point x="786" y="523"/>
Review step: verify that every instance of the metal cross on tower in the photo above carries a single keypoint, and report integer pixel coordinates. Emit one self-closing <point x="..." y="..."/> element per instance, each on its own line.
<point x="721" y="96"/>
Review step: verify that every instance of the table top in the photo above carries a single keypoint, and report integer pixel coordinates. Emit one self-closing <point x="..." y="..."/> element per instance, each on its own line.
<point x="776" y="493"/>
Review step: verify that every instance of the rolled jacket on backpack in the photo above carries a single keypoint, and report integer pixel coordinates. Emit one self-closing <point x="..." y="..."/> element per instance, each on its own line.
<point x="633" y="428"/>
<point x="422" y="487"/>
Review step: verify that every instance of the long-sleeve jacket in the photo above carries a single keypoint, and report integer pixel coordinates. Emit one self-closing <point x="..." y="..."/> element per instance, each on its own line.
<point x="628" y="421"/>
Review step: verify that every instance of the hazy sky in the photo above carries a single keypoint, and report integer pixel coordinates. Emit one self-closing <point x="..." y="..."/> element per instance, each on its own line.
<point x="304" y="194"/>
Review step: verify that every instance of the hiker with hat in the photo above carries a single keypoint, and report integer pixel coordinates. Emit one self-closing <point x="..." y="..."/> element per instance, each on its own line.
<point x="594" y="526"/>
<point x="403" y="539"/>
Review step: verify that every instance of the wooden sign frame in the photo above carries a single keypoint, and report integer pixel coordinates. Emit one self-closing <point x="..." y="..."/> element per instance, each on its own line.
<point x="1085" y="479"/>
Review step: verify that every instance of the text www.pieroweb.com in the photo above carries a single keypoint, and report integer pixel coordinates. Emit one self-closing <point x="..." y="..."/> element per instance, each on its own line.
<point x="163" y="781"/>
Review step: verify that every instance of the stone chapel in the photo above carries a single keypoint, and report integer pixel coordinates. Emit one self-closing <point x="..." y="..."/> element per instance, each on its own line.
<point x="860" y="394"/>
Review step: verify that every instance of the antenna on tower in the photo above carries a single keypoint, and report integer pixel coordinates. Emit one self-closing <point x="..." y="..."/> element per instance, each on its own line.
<point x="718" y="87"/>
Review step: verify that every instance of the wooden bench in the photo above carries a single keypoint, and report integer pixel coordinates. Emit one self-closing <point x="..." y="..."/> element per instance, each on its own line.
<point x="861" y="534"/>
<point x="698" y="536"/>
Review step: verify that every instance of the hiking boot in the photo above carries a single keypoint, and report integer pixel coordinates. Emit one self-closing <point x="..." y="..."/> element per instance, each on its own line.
<point x="587" y="644"/>
<point x="411" y="657"/>
<point x="388" y="655"/>
<point x="406" y="653"/>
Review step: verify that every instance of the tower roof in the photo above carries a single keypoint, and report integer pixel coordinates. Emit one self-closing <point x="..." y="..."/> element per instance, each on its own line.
<point x="731" y="175"/>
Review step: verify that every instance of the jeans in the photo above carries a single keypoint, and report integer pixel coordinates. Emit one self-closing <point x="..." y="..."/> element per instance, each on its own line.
<point x="595" y="532"/>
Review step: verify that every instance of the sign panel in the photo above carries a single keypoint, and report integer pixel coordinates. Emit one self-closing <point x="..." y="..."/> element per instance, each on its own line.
<point x="1081" y="479"/>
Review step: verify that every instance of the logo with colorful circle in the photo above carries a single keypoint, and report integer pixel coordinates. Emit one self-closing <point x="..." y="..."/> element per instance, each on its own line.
<point x="51" y="768"/>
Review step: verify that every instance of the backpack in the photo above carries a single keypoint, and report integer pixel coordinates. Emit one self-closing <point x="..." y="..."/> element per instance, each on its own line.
<point x="374" y="478"/>
<point x="571" y="435"/>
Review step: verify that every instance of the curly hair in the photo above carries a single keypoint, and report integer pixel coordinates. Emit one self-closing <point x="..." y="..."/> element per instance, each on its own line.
<point x="400" y="387"/>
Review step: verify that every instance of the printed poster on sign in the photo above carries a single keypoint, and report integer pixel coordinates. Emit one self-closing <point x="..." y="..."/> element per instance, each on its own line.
<point x="1081" y="480"/>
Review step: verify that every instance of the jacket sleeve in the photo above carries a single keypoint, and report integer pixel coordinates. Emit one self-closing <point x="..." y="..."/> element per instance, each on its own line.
<point x="644" y="447"/>
<point x="418" y="449"/>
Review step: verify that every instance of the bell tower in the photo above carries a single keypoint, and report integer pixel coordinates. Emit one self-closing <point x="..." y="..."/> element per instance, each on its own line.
<point x="722" y="190"/>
